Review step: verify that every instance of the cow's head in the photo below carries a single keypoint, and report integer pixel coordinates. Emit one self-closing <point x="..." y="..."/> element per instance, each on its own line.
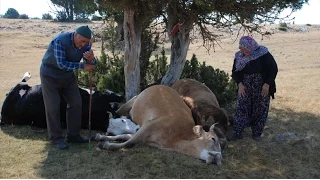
<point x="209" y="143"/>
<point x="112" y="96"/>
<point x="119" y="126"/>
<point x="210" y="115"/>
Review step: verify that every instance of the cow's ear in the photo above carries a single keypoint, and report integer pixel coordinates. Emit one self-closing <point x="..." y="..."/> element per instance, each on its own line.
<point x="198" y="130"/>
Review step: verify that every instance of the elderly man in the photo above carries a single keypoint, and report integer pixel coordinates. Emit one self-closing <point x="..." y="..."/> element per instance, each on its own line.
<point x="63" y="55"/>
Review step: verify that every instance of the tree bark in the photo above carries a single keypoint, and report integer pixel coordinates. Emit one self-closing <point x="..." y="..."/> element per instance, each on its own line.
<point x="180" y="41"/>
<point x="179" y="49"/>
<point x="132" y="36"/>
<point x="119" y="29"/>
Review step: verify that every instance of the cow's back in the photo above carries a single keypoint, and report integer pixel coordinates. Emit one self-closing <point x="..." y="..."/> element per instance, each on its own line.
<point x="195" y="90"/>
<point x="11" y="104"/>
<point x="160" y="101"/>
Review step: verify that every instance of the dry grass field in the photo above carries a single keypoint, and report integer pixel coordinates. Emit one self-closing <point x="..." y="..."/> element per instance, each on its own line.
<point x="296" y="109"/>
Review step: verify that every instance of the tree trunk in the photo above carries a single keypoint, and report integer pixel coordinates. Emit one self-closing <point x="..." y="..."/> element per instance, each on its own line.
<point x="132" y="37"/>
<point x="179" y="50"/>
<point x="180" y="42"/>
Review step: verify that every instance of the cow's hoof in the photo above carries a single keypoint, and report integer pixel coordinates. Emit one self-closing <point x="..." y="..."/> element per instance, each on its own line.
<point x="93" y="138"/>
<point x="97" y="137"/>
<point x="100" y="145"/>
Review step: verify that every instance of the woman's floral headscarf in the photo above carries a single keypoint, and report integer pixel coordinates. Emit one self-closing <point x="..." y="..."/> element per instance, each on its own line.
<point x="255" y="49"/>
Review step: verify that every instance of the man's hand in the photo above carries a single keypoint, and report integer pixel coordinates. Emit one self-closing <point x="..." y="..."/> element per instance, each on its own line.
<point x="89" y="67"/>
<point x="89" y="56"/>
<point x="241" y="90"/>
<point x="265" y="90"/>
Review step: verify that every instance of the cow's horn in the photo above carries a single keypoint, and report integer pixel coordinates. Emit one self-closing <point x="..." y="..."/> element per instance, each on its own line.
<point x="212" y="126"/>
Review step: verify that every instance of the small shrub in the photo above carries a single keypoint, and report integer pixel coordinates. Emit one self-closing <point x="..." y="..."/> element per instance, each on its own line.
<point x="11" y="13"/>
<point x="23" y="16"/>
<point x="283" y="25"/>
<point x="308" y="25"/>
<point x="47" y="16"/>
<point x="62" y="16"/>
<point x="283" y="29"/>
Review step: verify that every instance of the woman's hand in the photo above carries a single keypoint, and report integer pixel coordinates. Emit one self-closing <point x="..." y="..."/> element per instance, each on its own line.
<point x="265" y="90"/>
<point x="241" y="90"/>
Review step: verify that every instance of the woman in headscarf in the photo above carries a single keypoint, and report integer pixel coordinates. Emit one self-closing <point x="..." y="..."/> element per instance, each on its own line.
<point x="254" y="70"/>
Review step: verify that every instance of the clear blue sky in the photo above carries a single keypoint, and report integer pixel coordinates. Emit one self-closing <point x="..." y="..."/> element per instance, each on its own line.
<point x="35" y="8"/>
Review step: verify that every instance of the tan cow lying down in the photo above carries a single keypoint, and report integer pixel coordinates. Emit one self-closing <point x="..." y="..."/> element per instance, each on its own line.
<point x="166" y="122"/>
<point x="203" y="103"/>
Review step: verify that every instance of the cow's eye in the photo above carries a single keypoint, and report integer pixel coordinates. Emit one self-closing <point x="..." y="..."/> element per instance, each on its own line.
<point x="214" y="140"/>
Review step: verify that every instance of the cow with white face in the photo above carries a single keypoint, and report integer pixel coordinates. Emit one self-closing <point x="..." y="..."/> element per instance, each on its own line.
<point x="119" y="129"/>
<point x="166" y="122"/>
<point x="122" y="125"/>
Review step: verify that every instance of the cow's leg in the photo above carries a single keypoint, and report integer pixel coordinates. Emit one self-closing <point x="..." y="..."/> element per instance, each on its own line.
<point x="139" y="136"/>
<point x="121" y="137"/>
<point x="124" y="110"/>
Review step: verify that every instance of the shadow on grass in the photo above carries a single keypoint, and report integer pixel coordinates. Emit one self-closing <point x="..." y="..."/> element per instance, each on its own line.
<point x="298" y="158"/>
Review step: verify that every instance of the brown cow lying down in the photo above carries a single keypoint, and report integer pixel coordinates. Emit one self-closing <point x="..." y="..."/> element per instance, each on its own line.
<point x="166" y="122"/>
<point x="203" y="103"/>
<point x="204" y="106"/>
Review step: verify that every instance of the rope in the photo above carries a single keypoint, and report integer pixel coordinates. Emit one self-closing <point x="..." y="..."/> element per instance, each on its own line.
<point x="90" y="104"/>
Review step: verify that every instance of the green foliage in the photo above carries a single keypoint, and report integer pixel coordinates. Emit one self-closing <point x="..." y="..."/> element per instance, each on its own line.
<point x="108" y="74"/>
<point x="217" y="80"/>
<point x="71" y="10"/>
<point x="23" y="16"/>
<point x="82" y="16"/>
<point x="148" y="44"/>
<point x="47" y="16"/>
<point x="283" y="29"/>
<point x="11" y="13"/>
<point x="62" y="16"/>
<point x="156" y="69"/>
<point x="308" y="25"/>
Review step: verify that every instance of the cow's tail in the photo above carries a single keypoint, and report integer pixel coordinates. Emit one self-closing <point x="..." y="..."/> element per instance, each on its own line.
<point x="26" y="77"/>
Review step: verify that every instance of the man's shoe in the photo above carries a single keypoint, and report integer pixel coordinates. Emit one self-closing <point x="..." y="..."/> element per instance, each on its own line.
<point x="60" y="144"/>
<point x="77" y="139"/>
<point x="256" y="138"/>
<point x="234" y="137"/>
